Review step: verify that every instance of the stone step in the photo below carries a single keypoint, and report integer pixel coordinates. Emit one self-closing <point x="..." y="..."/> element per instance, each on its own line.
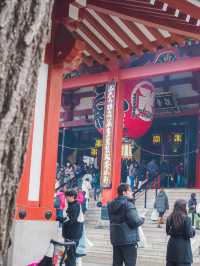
<point x="152" y="255"/>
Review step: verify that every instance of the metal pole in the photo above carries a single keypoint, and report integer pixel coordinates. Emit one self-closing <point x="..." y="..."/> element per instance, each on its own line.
<point x="156" y="186"/>
<point x="145" y="198"/>
<point x="63" y="142"/>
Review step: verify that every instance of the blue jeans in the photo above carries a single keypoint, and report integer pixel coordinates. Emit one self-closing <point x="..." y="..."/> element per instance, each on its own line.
<point x="179" y="181"/>
<point x="132" y="182"/>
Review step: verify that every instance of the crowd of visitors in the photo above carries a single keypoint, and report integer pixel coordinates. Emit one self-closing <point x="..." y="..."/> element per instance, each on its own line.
<point x="125" y="224"/>
<point x="76" y="184"/>
<point x="79" y="176"/>
<point x="167" y="175"/>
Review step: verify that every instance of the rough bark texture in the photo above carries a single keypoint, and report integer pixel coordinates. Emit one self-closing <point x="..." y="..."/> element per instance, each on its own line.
<point x="24" y="29"/>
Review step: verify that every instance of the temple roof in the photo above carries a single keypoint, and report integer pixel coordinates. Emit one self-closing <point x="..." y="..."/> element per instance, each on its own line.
<point x="113" y="29"/>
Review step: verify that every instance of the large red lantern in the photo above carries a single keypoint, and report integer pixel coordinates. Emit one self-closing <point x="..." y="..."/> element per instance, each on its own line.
<point x="139" y="108"/>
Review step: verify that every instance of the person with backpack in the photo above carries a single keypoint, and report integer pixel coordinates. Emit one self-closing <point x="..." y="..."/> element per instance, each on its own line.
<point x="73" y="225"/>
<point x="180" y="230"/>
<point x="59" y="205"/>
<point x="124" y="223"/>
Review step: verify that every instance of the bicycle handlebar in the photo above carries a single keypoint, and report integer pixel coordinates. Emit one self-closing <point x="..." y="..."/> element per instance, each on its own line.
<point x="64" y="244"/>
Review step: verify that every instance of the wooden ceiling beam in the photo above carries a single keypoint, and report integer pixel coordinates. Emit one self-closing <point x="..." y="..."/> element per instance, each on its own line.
<point x="81" y="26"/>
<point x="100" y="29"/>
<point x="109" y="21"/>
<point x="178" y="39"/>
<point x="98" y="57"/>
<point x="185" y="7"/>
<point x="97" y="42"/>
<point x="146" y="42"/>
<point x="182" y="28"/>
<point x="159" y="38"/>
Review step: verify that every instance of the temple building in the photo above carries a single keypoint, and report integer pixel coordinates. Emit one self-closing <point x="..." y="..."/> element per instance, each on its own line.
<point x="119" y="80"/>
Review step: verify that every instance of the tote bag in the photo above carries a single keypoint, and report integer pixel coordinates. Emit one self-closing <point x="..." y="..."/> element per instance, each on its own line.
<point x="154" y="215"/>
<point x="143" y="241"/>
<point x="80" y="218"/>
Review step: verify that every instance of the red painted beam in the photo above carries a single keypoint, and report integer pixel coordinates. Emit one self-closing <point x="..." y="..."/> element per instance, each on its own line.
<point x="184" y="6"/>
<point x="171" y="24"/>
<point x="188" y="64"/>
<point x="145" y="7"/>
<point x="86" y="80"/>
<point x="136" y="5"/>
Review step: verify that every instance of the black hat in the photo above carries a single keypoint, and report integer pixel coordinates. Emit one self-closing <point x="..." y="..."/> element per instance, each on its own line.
<point x="71" y="193"/>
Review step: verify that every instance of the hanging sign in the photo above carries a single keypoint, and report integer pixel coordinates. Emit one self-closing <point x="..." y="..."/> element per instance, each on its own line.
<point x="165" y="102"/>
<point x="106" y="167"/>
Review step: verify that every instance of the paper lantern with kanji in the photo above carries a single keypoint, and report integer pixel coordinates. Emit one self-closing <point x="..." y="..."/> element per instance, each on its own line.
<point x="139" y="108"/>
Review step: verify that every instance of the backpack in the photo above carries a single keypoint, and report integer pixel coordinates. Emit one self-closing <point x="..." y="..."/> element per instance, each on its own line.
<point x="57" y="202"/>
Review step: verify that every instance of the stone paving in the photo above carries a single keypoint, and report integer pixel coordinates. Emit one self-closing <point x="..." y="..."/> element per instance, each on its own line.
<point x="152" y="255"/>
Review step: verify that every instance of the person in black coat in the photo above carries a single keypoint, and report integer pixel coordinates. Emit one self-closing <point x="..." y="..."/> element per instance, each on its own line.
<point x="192" y="206"/>
<point x="179" y="227"/>
<point x="124" y="223"/>
<point x="72" y="227"/>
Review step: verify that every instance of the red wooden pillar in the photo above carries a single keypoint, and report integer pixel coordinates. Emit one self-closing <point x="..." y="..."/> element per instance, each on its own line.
<point x="109" y="193"/>
<point x="37" y="186"/>
<point x="51" y="129"/>
<point x="197" y="183"/>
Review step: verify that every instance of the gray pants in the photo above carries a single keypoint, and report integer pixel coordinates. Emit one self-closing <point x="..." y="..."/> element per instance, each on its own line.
<point x="126" y="254"/>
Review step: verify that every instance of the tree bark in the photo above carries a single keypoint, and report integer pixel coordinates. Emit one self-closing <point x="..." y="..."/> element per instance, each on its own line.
<point x="24" y="30"/>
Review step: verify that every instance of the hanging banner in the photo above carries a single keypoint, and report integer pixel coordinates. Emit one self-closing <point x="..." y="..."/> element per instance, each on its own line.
<point x="98" y="107"/>
<point x="108" y="130"/>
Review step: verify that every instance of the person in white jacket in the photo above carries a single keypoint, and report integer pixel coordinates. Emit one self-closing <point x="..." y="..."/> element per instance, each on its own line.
<point x="86" y="187"/>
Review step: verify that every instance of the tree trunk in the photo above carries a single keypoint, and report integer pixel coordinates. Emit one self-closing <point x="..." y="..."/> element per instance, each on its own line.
<point x="24" y="29"/>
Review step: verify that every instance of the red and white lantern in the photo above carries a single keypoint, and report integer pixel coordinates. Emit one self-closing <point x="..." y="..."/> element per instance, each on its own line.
<point x="139" y="111"/>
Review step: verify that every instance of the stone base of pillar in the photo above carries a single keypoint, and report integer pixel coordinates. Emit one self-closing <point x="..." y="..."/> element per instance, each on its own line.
<point x="30" y="241"/>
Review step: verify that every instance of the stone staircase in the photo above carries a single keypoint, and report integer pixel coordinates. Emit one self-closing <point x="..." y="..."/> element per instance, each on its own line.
<point x="152" y="255"/>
